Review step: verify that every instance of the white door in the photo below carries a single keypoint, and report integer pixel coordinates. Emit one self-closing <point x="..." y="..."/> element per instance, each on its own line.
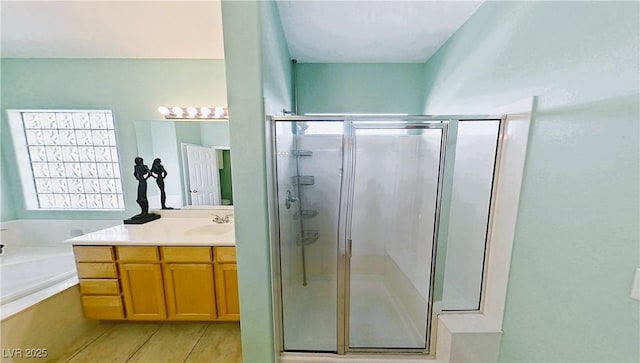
<point x="203" y="176"/>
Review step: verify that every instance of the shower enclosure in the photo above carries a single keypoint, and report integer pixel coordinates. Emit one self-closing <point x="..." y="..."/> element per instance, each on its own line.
<point x="367" y="208"/>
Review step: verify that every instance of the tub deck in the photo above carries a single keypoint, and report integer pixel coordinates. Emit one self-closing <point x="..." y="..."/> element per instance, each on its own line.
<point x="35" y="263"/>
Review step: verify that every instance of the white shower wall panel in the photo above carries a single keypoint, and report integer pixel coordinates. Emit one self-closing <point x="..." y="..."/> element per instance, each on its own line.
<point x="412" y="213"/>
<point x="376" y="165"/>
<point x="325" y="165"/>
<point x="409" y="245"/>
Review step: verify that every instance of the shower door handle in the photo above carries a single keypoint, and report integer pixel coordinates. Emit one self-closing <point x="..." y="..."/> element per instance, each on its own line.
<point x="289" y="198"/>
<point x="349" y="243"/>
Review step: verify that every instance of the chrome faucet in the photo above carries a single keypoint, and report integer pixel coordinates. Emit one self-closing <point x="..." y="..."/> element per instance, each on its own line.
<point x="220" y="220"/>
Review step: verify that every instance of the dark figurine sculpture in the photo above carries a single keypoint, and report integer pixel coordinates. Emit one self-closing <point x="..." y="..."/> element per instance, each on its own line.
<point x="158" y="172"/>
<point x="141" y="172"/>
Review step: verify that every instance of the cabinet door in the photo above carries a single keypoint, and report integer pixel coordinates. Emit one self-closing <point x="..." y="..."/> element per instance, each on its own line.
<point x="189" y="291"/>
<point x="143" y="291"/>
<point x="227" y="291"/>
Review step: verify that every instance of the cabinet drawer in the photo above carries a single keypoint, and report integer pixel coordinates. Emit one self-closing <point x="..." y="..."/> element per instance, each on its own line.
<point x="93" y="253"/>
<point x="97" y="270"/>
<point x="137" y="254"/>
<point x="103" y="307"/>
<point x="225" y="254"/>
<point x="99" y="286"/>
<point x="186" y="254"/>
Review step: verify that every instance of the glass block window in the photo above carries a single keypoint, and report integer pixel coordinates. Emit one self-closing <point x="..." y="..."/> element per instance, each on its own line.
<point x="74" y="159"/>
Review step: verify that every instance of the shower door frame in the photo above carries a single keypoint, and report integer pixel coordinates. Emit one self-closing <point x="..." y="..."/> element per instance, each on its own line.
<point x="379" y="121"/>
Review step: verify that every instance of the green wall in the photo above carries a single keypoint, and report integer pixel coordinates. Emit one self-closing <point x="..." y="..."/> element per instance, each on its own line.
<point x="360" y="88"/>
<point x="132" y="88"/>
<point x="7" y="210"/>
<point x="576" y="245"/>
<point x="226" y="186"/>
<point x="214" y="134"/>
<point x="276" y="61"/>
<point x="258" y="83"/>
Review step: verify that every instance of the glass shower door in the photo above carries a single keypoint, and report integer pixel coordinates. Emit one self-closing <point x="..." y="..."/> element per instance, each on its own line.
<point x="309" y="173"/>
<point x="396" y="173"/>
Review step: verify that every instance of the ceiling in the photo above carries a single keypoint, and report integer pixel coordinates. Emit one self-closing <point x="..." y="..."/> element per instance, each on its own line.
<point x="316" y="31"/>
<point x="112" y="29"/>
<point x="370" y="31"/>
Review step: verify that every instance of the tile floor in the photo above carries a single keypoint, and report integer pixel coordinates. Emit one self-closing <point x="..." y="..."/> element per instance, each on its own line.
<point x="159" y="342"/>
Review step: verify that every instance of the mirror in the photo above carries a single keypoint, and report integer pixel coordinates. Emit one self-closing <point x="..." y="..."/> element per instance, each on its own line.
<point x="196" y="157"/>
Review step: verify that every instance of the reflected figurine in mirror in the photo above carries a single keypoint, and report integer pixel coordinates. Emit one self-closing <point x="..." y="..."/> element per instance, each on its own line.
<point x="141" y="172"/>
<point x="158" y="172"/>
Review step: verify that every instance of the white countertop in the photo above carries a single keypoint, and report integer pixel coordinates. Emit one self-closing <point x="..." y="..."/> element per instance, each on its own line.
<point x="163" y="232"/>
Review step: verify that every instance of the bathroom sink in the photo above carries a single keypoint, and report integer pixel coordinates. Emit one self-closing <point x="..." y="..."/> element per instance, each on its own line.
<point x="210" y="229"/>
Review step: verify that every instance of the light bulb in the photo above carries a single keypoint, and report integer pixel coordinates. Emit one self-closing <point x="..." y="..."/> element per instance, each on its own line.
<point x="177" y="111"/>
<point x="205" y="112"/>
<point x="164" y="110"/>
<point x="218" y="112"/>
<point x="192" y="111"/>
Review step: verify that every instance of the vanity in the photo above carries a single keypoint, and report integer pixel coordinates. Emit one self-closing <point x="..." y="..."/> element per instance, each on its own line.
<point x="176" y="269"/>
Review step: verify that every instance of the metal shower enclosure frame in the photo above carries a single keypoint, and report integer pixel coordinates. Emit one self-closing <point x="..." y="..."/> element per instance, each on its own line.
<point x="353" y="122"/>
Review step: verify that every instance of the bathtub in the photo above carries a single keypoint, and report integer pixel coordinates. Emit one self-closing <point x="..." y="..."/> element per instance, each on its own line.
<point x="35" y="263"/>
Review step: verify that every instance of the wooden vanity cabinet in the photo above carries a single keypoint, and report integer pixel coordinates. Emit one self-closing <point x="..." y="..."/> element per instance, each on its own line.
<point x="189" y="286"/>
<point x="142" y="285"/>
<point x="158" y="282"/>
<point x="226" y="272"/>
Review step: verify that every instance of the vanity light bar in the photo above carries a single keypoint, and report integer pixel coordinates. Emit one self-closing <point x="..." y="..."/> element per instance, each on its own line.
<point x="217" y="113"/>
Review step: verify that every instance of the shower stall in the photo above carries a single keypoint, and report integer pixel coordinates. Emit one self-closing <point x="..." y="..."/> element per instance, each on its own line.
<point x="377" y="222"/>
